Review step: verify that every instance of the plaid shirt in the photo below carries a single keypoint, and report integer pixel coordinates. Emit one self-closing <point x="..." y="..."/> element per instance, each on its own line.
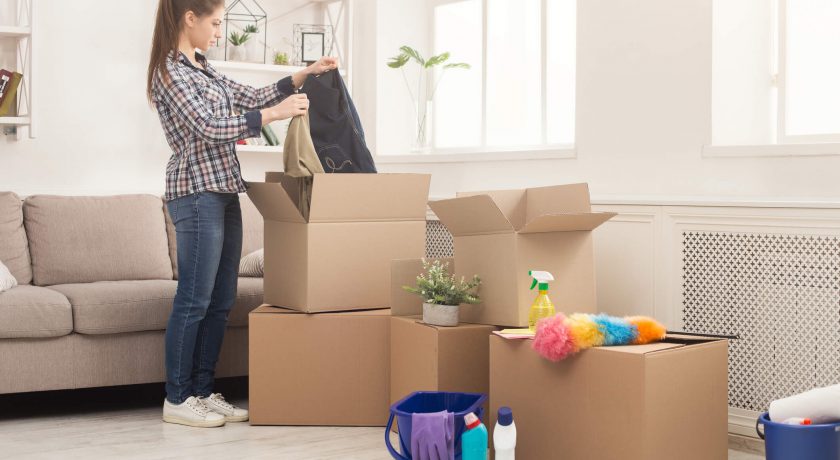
<point x="203" y="114"/>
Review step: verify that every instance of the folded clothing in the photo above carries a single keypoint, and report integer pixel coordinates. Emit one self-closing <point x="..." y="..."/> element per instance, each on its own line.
<point x="821" y="405"/>
<point x="433" y="436"/>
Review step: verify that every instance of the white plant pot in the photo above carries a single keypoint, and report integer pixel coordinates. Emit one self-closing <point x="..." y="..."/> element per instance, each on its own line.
<point x="237" y="53"/>
<point x="255" y="53"/>
<point x="440" y="315"/>
<point x="215" y="53"/>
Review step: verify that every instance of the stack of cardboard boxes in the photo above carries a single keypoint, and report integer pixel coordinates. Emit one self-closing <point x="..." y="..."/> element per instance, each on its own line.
<point x="319" y="348"/>
<point x="314" y="362"/>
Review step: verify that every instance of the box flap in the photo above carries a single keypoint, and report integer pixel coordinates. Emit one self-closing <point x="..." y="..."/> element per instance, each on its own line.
<point x="566" y="222"/>
<point x="472" y="215"/>
<point x="273" y="202"/>
<point x="557" y="199"/>
<point x="640" y="349"/>
<point x="510" y="202"/>
<point x="369" y="197"/>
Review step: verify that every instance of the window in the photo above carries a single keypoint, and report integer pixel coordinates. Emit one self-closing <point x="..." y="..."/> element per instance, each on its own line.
<point x="520" y="90"/>
<point x="775" y="72"/>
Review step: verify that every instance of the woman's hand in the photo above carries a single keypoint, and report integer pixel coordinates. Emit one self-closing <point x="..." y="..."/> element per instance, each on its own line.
<point x="324" y="64"/>
<point x="294" y="105"/>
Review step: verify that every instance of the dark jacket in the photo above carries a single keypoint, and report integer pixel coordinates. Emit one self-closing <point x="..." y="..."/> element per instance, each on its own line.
<point x="335" y="127"/>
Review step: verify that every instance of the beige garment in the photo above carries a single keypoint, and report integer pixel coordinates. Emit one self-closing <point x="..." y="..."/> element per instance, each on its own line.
<point x="300" y="159"/>
<point x="299" y="156"/>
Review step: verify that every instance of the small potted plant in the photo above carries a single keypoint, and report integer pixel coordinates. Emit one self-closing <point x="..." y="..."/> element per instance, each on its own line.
<point x="252" y="44"/>
<point x="281" y="59"/>
<point x="237" y="49"/>
<point x="442" y="294"/>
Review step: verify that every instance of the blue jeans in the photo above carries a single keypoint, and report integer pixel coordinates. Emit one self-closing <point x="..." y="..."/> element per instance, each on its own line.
<point x="208" y="228"/>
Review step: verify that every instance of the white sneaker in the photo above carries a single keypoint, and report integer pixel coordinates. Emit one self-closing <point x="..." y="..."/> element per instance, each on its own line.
<point x="216" y="402"/>
<point x="192" y="412"/>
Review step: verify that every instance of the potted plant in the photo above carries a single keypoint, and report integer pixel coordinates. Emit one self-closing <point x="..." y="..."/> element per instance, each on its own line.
<point x="425" y="89"/>
<point x="281" y="58"/>
<point x="253" y="44"/>
<point x="442" y="294"/>
<point x="237" y="49"/>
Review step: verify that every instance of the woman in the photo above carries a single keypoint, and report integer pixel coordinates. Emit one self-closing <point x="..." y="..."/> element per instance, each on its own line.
<point x="203" y="114"/>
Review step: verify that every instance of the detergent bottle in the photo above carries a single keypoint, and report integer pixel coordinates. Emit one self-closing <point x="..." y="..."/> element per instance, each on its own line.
<point x="474" y="441"/>
<point x="542" y="306"/>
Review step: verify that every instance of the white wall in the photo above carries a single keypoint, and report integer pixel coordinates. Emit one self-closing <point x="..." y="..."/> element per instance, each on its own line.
<point x="643" y="96"/>
<point x="644" y="112"/>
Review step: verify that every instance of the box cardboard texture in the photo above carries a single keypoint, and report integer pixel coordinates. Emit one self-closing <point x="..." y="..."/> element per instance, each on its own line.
<point x="501" y="235"/>
<point x="326" y="369"/>
<point x="434" y="358"/>
<point x="339" y="258"/>
<point x="661" y="401"/>
<point x="404" y="273"/>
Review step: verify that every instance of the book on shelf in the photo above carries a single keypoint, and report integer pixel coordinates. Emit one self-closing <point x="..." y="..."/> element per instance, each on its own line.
<point x="270" y="137"/>
<point x="9" y="83"/>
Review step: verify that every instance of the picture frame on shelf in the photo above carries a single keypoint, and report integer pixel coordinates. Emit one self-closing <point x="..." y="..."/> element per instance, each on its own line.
<point x="312" y="46"/>
<point x="311" y="42"/>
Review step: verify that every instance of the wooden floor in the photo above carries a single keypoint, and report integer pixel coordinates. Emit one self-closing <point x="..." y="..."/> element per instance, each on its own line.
<point x="125" y="423"/>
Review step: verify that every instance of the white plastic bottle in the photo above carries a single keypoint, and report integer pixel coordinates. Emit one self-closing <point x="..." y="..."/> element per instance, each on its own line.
<point x="504" y="435"/>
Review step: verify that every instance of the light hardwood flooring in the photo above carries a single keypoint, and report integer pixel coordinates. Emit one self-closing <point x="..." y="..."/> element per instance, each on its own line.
<point x="125" y="423"/>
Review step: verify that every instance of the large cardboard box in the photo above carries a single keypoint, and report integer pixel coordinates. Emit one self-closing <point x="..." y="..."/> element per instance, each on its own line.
<point x="326" y="369"/>
<point x="404" y="273"/>
<point x="662" y="401"/>
<point x="339" y="258"/>
<point x="501" y="235"/>
<point x="435" y="358"/>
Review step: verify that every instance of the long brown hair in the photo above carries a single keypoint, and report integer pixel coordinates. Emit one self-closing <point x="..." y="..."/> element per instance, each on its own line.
<point x="168" y="25"/>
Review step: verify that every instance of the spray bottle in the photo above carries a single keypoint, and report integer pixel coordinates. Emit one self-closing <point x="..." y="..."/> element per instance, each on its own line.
<point x="542" y="306"/>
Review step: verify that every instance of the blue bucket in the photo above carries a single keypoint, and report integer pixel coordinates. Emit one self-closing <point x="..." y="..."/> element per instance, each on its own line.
<point x="797" y="442"/>
<point x="428" y="402"/>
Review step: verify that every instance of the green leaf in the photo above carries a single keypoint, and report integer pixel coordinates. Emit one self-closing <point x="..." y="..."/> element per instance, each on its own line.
<point x="398" y="61"/>
<point x="457" y="65"/>
<point x="411" y="52"/>
<point x="435" y="60"/>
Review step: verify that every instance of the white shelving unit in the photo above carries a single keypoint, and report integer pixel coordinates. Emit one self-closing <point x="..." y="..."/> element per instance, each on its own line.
<point x="22" y="34"/>
<point x="259" y="148"/>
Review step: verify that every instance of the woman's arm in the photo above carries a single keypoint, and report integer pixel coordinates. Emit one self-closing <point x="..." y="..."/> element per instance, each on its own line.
<point x="181" y="98"/>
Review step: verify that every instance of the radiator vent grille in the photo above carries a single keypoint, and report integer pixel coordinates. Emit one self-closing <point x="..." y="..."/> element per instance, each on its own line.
<point x="781" y="294"/>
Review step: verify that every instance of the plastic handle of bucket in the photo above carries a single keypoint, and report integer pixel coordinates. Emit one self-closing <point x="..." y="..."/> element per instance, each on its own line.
<point x="757" y="423"/>
<point x="393" y="452"/>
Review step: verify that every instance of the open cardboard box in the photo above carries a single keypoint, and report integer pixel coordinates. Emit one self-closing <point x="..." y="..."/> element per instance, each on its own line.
<point x="325" y="369"/>
<point x="501" y="235"/>
<point x="339" y="258"/>
<point x="661" y="401"/>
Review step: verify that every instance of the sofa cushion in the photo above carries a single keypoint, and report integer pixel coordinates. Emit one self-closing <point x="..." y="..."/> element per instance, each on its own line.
<point x="252" y="231"/>
<point x="14" y="250"/>
<point x="31" y="311"/>
<point x="87" y="239"/>
<point x="110" y="307"/>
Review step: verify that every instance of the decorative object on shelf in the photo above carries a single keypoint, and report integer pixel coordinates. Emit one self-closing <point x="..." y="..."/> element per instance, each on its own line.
<point x="237" y="49"/>
<point x="426" y="89"/>
<point x="281" y="59"/>
<point x="443" y="294"/>
<point x="249" y="18"/>
<point x="312" y="41"/>
<point x="253" y="44"/>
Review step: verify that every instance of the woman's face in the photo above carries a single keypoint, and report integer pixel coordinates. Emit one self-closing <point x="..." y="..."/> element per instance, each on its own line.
<point x="204" y="31"/>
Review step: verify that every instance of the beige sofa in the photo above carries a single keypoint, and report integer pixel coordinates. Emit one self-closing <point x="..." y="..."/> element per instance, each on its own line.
<point x="97" y="276"/>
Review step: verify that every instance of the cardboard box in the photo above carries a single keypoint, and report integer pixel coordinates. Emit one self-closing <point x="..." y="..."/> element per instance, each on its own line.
<point x="326" y="369"/>
<point x="662" y="401"/>
<point x="435" y="358"/>
<point x="501" y="235"/>
<point x="404" y="273"/>
<point x="340" y="257"/>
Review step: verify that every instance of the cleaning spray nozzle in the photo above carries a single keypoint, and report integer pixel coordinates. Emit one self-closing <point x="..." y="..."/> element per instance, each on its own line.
<point x="540" y="277"/>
